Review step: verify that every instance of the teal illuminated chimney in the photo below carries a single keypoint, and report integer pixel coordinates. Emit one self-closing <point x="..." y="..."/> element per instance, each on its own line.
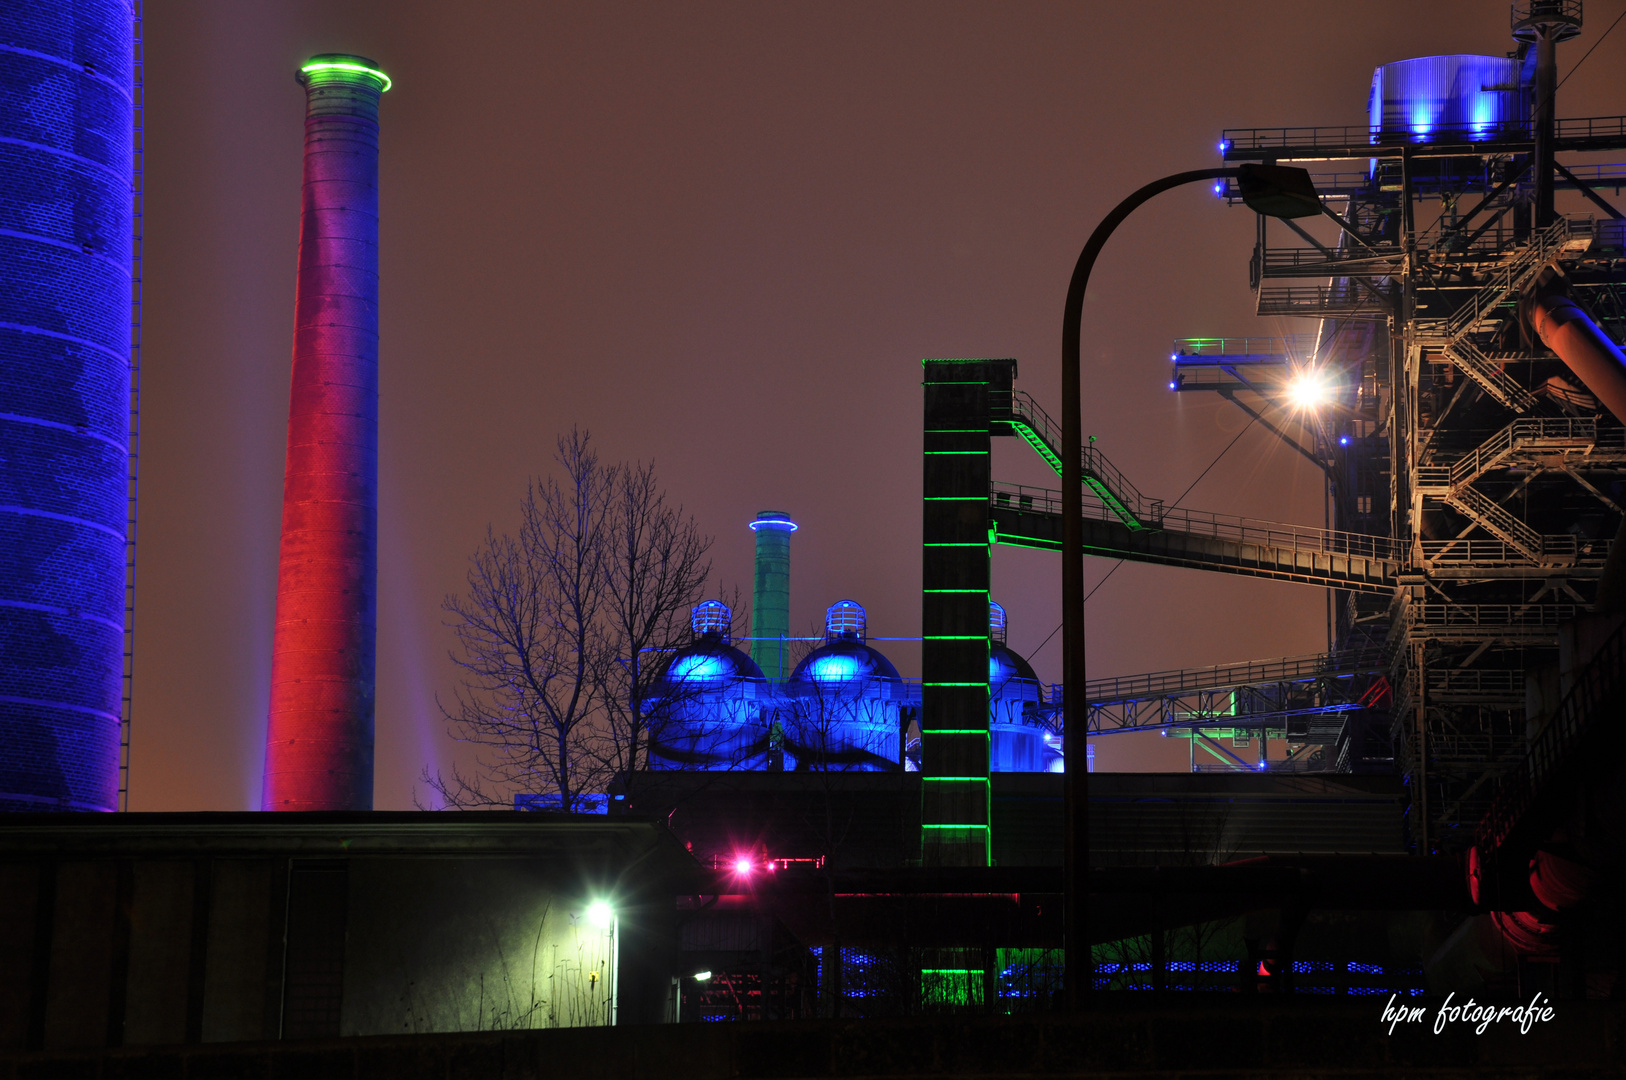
<point x="770" y="602"/>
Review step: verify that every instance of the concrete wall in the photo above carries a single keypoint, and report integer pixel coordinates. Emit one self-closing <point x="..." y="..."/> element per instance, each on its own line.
<point x="461" y="945"/>
<point x="135" y="939"/>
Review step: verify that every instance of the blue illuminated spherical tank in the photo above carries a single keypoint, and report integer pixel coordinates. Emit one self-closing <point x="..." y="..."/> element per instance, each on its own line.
<point x="66" y="173"/>
<point x="1017" y="742"/>
<point x="1005" y="666"/>
<point x="705" y="711"/>
<point x="709" y="664"/>
<point x="844" y="661"/>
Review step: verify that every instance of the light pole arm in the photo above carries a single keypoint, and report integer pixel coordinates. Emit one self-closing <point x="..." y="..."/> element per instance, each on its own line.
<point x="1079" y="971"/>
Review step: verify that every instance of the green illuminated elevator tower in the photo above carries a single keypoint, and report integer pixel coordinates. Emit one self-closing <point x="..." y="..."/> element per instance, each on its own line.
<point x="962" y="397"/>
<point x="770" y="600"/>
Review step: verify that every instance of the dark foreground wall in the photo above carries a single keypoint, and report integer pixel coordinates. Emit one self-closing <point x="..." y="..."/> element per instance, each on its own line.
<point x="151" y="929"/>
<point x="869" y="820"/>
<point x="1350" y="1043"/>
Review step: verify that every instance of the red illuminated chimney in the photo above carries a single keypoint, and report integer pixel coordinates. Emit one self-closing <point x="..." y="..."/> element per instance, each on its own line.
<point x="319" y="744"/>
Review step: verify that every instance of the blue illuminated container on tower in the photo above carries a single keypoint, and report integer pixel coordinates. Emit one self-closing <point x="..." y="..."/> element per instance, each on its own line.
<point x="1460" y="96"/>
<point x="707" y="711"/>
<point x="841" y="709"/>
<point x="66" y="115"/>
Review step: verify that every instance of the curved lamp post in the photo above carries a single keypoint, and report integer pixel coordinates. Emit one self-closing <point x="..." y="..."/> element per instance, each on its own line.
<point x="1279" y="191"/>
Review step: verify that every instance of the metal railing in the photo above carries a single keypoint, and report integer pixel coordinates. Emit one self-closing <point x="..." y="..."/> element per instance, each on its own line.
<point x="1495" y="519"/>
<point x="1291" y="345"/>
<point x="1561" y="548"/>
<point x="1507" y="279"/>
<point x="1333" y="137"/>
<point x="1489" y="616"/>
<point x="1027" y="413"/>
<point x="1316" y="301"/>
<point x="1488" y="373"/>
<point x="1222" y="676"/>
<point x="1299" y="539"/>
<point x="1499" y="683"/>
<point x="1547" y="433"/>
<point x="1348" y="260"/>
<point x="1594" y="699"/>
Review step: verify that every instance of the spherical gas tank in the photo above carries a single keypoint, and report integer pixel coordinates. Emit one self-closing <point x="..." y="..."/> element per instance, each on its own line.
<point x="841" y="705"/>
<point x="706" y="710"/>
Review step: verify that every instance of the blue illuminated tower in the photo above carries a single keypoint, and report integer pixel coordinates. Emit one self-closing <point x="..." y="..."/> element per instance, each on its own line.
<point x="66" y="111"/>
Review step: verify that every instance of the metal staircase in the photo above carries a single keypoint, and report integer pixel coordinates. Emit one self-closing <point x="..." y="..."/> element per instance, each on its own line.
<point x="1116" y="493"/>
<point x="1488" y="373"/>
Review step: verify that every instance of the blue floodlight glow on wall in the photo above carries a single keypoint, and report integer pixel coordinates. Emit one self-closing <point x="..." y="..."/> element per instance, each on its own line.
<point x="700" y="668"/>
<point x="836" y="669"/>
<point x="66" y="174"/>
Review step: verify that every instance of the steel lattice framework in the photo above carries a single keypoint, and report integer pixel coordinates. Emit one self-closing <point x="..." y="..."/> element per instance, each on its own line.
<point x="1471" y="480"/>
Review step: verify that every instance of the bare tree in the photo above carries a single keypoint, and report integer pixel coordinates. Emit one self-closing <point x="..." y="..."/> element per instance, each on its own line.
<point x="565" y="628"/>
<point x="532" y="642"/>
<point x="656" y="570"/>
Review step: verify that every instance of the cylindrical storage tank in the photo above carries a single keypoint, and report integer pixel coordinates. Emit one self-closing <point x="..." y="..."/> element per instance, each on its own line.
<point x="770" y="599"/>
<point x="66" y="114"/>
<point x="1461" y="96"/>
<point x="319" y="743"/>
<point x="705" y="711"/>
<point x="1015" y="731"/>
<point x="841" y="709"/>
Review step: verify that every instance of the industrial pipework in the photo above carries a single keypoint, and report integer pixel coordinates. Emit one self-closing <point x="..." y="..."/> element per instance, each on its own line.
<point x="1596" y="360"/>
<point x="66" y="173"/>
<point x="319" y="743"/>
<point x="770" y="599"/>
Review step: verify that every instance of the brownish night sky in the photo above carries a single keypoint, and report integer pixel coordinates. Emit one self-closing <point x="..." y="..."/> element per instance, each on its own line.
<point x="720" y="236"/>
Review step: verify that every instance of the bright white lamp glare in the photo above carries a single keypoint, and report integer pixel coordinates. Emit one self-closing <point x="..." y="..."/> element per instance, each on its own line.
<point x="702" y="976"/>
<point x="742" y="866"/>
<point x="1308" y="390"/>
<point x="599" y="914"/>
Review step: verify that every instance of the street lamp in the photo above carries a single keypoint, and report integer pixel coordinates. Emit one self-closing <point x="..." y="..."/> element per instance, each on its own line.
<point x="1279" y="191"/>
<point x="1309" y="389"/>
<point x="601" y="915"/>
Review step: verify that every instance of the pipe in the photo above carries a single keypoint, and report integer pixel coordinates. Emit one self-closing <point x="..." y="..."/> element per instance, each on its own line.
<point x="1546" y="112"/>
<point x="319" y="743"/>
<point x="1596" y="360"/>
<point x="770" y="599"/>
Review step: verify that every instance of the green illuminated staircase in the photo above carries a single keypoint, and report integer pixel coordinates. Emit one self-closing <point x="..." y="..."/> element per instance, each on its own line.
<point x="1117" y="494"/>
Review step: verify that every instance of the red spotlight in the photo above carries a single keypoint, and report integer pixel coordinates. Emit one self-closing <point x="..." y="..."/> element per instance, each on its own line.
<point x="742" y="866"/>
